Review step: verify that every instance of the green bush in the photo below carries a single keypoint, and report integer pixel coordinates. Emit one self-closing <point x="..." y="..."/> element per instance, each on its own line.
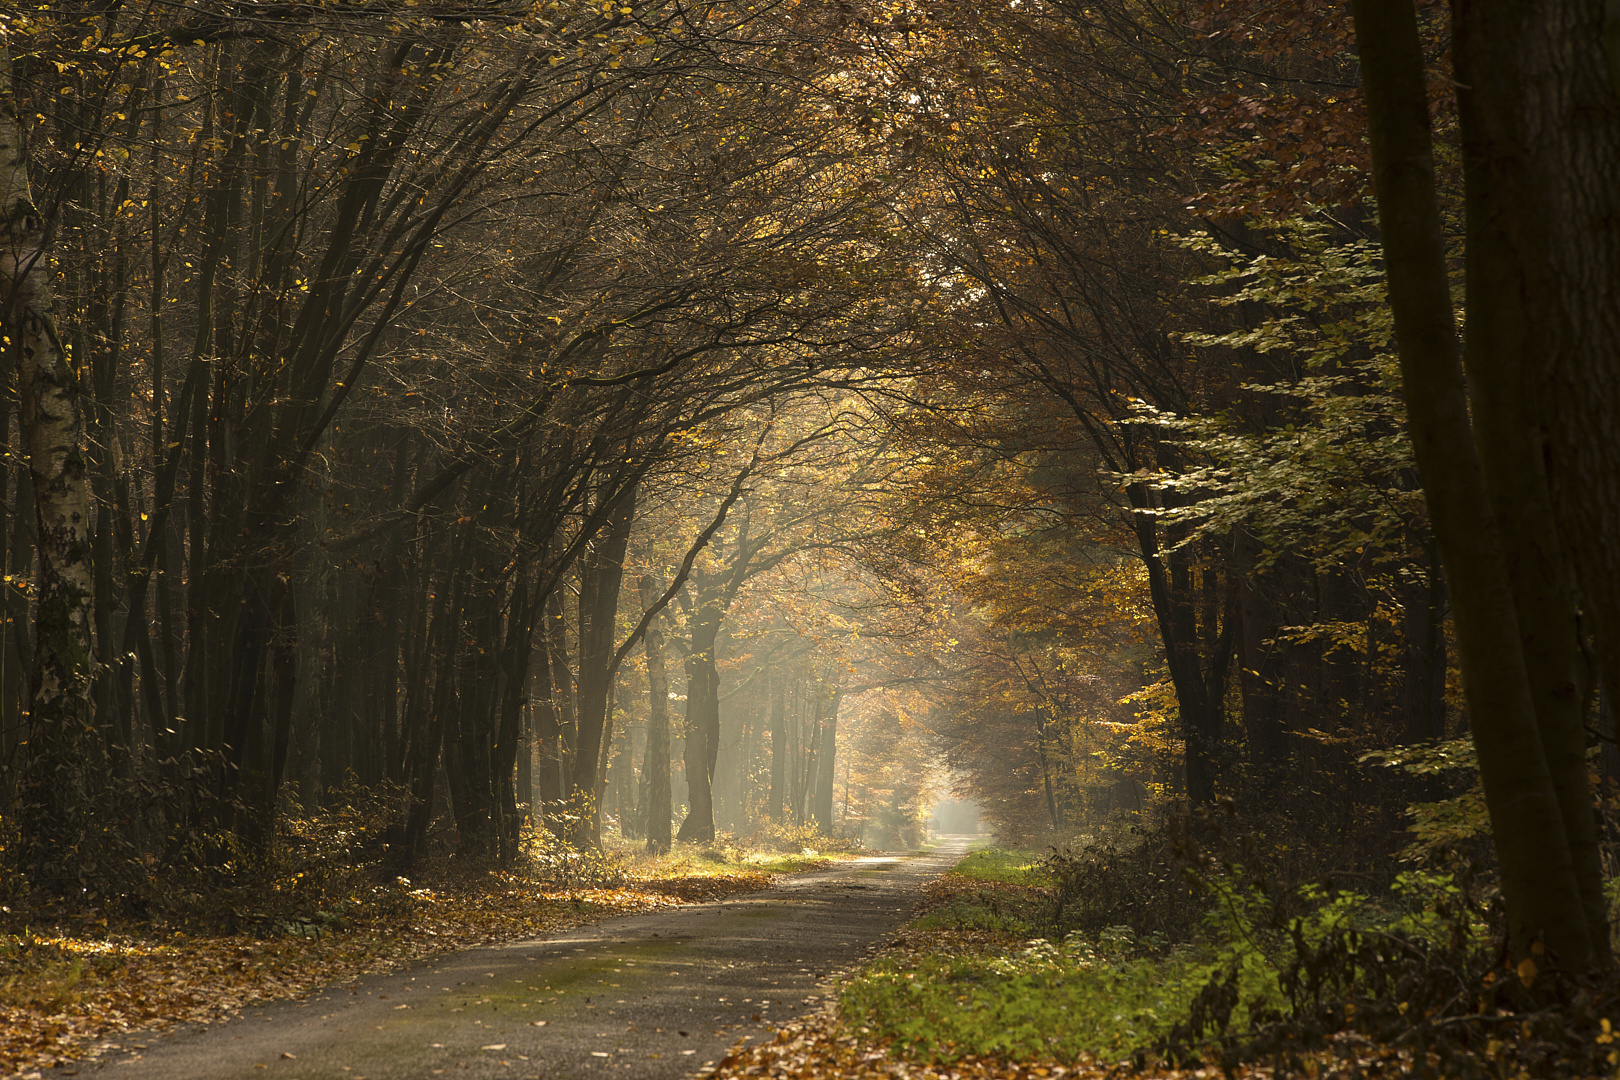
<point x="1260" y="971"/>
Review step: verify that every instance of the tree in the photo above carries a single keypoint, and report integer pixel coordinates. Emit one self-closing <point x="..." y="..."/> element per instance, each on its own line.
<point x="1481" y="466"/>
<point x="56" y="797"/>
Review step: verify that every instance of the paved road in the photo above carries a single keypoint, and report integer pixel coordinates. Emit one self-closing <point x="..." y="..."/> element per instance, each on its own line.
<point x="647" y="997"/>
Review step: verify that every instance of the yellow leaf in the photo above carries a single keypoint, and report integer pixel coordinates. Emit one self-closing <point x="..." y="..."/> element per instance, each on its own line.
<point x="1527" y="971"/>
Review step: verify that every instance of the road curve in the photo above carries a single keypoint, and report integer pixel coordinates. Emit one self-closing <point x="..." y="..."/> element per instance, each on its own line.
<point x="644" y="997"/>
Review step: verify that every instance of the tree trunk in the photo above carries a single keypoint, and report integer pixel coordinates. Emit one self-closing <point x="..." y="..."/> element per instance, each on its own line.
<point x="1197" y="673"/>
<point x="549" y="750"/>
<point x="1513" y="456"/>
<point x="1539" y="881"/>
<point x="600" y="581"/>
<point x="1542" y="134"/>
<point x="660" y="810"/>
<point x="702" y="710"/>
<point x="827" y="758"/>
<point x="55" y="801"/>
<point x="779" y="755"/>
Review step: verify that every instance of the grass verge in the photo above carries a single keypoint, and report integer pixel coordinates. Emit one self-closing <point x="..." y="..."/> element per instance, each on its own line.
<point x="969" y="978"/>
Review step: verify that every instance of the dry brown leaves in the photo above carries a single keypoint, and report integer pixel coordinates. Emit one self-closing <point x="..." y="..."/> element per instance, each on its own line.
<point x="63" y="991"/>
<point x="819" y="1046"/>
<point x="698" y="888"/>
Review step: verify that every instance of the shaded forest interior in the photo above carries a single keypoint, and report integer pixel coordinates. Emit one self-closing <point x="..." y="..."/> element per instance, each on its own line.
<point x="524" y="426"/>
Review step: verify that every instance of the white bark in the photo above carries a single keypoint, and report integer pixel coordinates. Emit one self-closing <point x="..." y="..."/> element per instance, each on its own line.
<point x="53" y="441"/>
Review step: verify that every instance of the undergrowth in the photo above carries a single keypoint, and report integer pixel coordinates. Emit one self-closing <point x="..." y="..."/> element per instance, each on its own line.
<point x="1038" y="1001"/>
<point x="1173" y="952"/>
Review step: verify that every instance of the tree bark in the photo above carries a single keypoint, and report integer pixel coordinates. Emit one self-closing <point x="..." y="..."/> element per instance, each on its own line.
<point x="549" y="750"/>
<point x="600" y="581"/>
<point x="702" y="710"/>
<point x="55" y="801"/>
<point x="660" y="809"/>
<point x="827" y="758"/>
<point x="779" y="755"/>
<point x="1544" y="170"/>
<point x="1537" y="872"/>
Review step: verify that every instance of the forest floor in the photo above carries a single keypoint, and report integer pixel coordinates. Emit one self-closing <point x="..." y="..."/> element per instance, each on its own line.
<point x="654" y="996"/>
<point x="730" y="967"/>
<point x="74" y="988"/>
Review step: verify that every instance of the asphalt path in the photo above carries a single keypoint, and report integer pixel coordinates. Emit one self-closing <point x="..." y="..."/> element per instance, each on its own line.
<point x="644" y="997"/>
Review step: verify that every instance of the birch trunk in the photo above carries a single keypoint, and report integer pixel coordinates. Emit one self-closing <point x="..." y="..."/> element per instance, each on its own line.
<point x="54" y="799"/>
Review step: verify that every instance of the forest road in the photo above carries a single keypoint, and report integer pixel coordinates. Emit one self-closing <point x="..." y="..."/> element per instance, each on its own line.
<point x="644" y="997"/>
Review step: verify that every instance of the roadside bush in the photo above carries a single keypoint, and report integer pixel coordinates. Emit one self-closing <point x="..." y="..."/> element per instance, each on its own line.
<point x="323" y="869"/>
<point x="549" y="859"/>
<point x="1345" y="984"/>
<point x="1143" y="885"/>
<point x="794" y="839"/>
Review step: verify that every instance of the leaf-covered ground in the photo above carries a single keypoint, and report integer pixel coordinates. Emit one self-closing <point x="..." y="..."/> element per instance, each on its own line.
<point x="66" y="989"/>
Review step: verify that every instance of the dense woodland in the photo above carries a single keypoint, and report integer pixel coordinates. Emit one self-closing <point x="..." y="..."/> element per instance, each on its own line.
<point x="555" y="421"/>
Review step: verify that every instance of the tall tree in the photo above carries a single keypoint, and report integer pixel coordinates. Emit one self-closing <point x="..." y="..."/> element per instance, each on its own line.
<point x="1512" y="608"/>
<point x="56" y="799"/>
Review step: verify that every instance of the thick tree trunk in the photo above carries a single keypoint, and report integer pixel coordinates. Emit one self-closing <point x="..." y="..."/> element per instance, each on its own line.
<point x="702" y="711"/>
<point x="660" y="810"/>
<point x="1544" y="129"/>
<point x="1539" y="880"/>
<point x="550" y="753"/>
<point x="1513" y="455"/>
<point x="827" y="757"/>
<point x="55" y="800"/>
<point x="1550" y="116"/>
<point x="600" y="581"/>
